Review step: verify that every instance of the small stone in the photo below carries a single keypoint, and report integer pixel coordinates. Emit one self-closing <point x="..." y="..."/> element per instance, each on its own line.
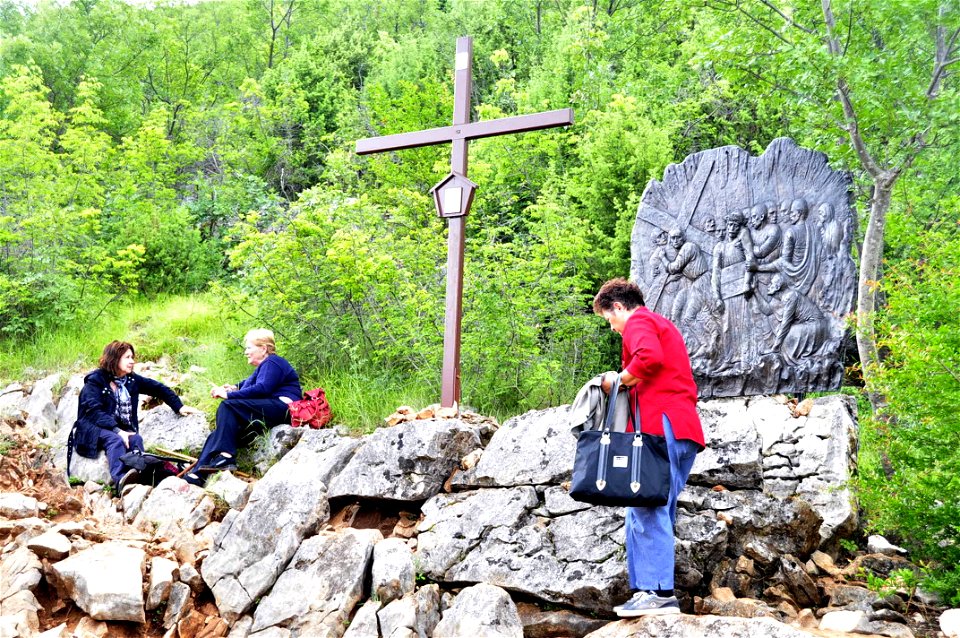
<point x="877" y="544"/>
<point x="950" y="623"/>
<point x="846" y="621"/>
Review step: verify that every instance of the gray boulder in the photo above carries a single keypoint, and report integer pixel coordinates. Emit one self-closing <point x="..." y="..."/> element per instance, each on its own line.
<point x="69" y="403"/>
<point x="254" y="546"/>
<point x="682" y="626"/>
<point x="40" y="408"/>
<point x="319" y="589"/>
<point x="162" y="427"/>
<point x="174" y="502"/>
<point x="16" y="505"/>
<point x="535" y="448"/>
<point x="106" y="581"/>
<point x="407" y="462"/>
<point x="394" y="574"/>
<point x="481" y="611"/>
<point x="413" y="616"/>
<point x="494" y="536"/>
<point x="11" y="398"/>
<point x="732" y="457"/>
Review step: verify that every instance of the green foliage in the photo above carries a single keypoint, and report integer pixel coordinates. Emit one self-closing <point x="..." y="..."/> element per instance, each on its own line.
<point x="910" y="484"/>
<point x="6" y="444"/>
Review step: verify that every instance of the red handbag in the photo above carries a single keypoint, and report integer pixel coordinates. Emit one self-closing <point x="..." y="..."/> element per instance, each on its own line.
<point x="312" y="410"/>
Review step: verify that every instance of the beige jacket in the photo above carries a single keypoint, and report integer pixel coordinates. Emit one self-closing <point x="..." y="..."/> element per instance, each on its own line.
<point x="589" y="409"/>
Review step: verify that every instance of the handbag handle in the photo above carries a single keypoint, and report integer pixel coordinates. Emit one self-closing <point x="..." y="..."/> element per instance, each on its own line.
<point x="612" y="405"/>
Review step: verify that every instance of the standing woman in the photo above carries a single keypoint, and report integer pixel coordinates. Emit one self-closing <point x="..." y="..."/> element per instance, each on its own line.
<point x="107" y="415"/>
<point x="656" y="369"/>
<point x="250" y="407"/>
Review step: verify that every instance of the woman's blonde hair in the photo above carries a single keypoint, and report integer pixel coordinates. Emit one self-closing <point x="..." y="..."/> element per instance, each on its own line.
<point x="262" y="337"/>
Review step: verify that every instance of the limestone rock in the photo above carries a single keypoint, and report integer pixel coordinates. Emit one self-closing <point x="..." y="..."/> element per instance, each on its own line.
<point x="40" y="409"/>
<point x="179" y="604"/>
<point x="106" y="581"/>
<point x="406" y="462"/>
<point x="254" y="545"/>
<point x="175" y="502"/>
<point x="732" y="457"/>
<point x="162" y="574"/>
<point x="364" y="623"/>
<point x="493" y="536"/>
<point x="877" y="544"/>
<point x="69" y="403"/>
<point x="415" y="614"/>
<point x="11" y="397"/>
<point x="234" y="491"/>
<point x="133" y="499"/>
<point x="950" y="623"/>
<point x="560" y="622"/>
<point x="787" y="526"/>
<point x="682" y="626"/>
<point x="320" y="587"/>
<point x="394" y="574"/>
<point x="532" y="449"/>
<point x="50" y="545"/>
<point x="14" y="505"/>
<point x="20" y="570"/>
<point x="847" y="621"/>
<point x="481" y="611"/>
<point x="162" y="427"/>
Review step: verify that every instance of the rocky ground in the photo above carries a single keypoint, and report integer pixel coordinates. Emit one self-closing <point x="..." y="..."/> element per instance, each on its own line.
<point x="400" y="533"/>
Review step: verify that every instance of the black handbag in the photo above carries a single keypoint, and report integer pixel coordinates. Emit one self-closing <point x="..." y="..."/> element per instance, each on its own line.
<point x="621" y="469"/>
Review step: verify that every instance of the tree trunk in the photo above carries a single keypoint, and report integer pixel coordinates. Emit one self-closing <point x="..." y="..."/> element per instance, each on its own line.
<point x="871" y="257"/>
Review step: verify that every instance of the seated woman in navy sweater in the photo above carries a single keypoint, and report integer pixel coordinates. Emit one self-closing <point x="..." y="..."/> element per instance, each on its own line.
<point x="250" y="407"/>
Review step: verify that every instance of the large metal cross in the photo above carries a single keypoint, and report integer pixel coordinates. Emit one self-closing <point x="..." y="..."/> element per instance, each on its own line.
<point x="459" y="134"/>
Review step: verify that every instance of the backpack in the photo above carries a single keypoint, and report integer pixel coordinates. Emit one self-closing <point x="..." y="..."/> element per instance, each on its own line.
<point x="152" y="467"/>
<point x="313" y="410"/>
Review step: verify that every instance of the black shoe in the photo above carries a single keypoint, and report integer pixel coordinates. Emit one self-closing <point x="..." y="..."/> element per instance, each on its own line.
<point x="222" y="463"/>
<point x="194" y="479"/>
<point x="131" y="477"/>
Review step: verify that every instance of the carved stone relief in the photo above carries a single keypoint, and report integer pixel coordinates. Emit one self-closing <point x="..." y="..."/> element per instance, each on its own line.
<point x="750" y="258"/>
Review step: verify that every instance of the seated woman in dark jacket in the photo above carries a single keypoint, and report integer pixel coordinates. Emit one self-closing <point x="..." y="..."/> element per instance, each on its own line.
<point x="107" y="415"/>
<point x="250" y="407"/>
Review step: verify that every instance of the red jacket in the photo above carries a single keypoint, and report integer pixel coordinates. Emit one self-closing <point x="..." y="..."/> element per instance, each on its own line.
<point x="654" y="352"/>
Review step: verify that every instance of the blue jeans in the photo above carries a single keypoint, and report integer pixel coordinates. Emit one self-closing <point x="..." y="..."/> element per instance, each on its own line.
<point x="114" y="448"/>
<point x="650" y="553"/>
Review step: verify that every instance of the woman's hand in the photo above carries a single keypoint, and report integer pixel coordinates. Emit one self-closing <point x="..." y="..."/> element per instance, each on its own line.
<point x="218" y="392"/>
<point x="607" y="382"/>
<point x="186" y="409"/>
<point x="125" y="437"/>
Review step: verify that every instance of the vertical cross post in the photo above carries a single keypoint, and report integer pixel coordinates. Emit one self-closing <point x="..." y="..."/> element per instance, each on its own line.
<point x="456" y="235"/>
<point x="459" y="134"/>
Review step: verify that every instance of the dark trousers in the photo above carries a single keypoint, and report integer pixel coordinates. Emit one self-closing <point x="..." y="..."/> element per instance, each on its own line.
<point x="114" y="448"/>
<point x="239" y="421"/>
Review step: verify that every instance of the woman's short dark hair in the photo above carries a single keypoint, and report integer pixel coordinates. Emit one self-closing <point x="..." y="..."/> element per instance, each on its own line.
<point x="112" y="353"/>
<point x="617" y="290"/>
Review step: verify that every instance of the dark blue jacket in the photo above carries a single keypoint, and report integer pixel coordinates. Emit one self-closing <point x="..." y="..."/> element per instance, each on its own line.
<point x="98" y="407"/>
<point x="272" y="379"/>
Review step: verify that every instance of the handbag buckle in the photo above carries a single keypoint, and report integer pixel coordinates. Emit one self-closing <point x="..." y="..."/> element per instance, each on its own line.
<point x="638" y="440"/>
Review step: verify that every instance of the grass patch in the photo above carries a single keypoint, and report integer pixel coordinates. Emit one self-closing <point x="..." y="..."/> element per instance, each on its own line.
<point x="190" y="330"/>
<point x="195" y="332"/>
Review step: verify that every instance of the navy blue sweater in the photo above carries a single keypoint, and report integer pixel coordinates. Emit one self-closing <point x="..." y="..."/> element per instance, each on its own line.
<point x="272" y="379"/>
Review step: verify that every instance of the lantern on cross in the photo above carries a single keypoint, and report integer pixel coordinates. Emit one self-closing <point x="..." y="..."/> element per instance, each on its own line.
<point x="453" y="195"/>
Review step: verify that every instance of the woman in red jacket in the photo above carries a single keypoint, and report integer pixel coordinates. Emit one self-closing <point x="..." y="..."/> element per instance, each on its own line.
<point x="656" y="369"/>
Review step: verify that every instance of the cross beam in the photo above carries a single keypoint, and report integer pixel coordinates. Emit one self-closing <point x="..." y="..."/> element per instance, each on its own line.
<point x="458" y="135"/>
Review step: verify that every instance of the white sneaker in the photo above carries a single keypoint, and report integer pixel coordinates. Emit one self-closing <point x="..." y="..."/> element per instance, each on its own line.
<point x="647" y="603"/>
